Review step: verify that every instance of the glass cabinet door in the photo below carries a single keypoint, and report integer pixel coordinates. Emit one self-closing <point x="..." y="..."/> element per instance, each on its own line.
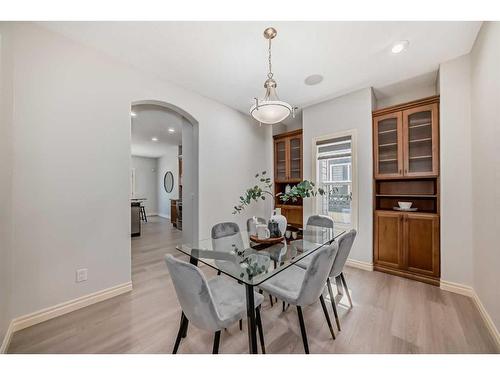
<point x="388" y="145"/>
<point x="421" y="141"/>
<point x="295" y="145"/>
<point x="280" y="168"/>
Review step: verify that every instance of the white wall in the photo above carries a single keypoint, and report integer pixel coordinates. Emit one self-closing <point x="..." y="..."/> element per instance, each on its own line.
<point x="146" y="182"/>
<point x="455" y="171"/>
<point x="5" y="185"/>
<point x="167" y="162"/>
<point x="352" y="111"/>
<point x="71" y="131"/>
<point x="485" y="74"/>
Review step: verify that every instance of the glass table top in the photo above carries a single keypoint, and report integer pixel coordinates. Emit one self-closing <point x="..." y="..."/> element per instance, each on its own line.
<point x="253" y="263"/>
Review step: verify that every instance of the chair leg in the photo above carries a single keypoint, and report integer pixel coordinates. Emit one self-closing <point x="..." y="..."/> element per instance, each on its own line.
<point x="182" y="327"/>
<point x="334" y="305"/>
<point x="283" y="307"/>
<point x="346" y="288"/>
<point x="241" y="325"/>
<point x="303" y="329"/>
<point x="259" y="328"/>
<point x="327" y="316"/>
<point x="215" y="349"/>
<point x="271" y="299"/>
<point x="145" y="216"/>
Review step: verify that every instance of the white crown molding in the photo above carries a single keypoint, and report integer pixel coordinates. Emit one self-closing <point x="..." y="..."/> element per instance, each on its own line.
<point x="470" y="292"/>
<point x="366" y="266"/>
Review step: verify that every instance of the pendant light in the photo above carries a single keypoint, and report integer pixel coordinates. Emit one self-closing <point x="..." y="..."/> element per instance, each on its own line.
<point x="270" y="109"/>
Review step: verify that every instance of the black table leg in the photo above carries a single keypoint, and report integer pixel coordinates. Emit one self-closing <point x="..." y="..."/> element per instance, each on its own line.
<point x="252" y="326"/>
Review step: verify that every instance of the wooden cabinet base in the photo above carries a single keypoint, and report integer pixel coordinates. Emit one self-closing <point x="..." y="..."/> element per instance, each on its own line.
<point x="409" y="275"/>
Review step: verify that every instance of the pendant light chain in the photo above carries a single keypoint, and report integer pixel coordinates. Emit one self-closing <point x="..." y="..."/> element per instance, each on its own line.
<point x="270" y="74"/>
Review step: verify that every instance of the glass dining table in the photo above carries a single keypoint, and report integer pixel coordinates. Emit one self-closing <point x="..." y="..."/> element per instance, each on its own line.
<point x="256" y="263"/>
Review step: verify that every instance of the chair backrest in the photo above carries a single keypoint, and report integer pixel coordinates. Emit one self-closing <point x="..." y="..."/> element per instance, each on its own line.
<point x="225" y="235"/>
<point x="319" y="221"/>
<point x="345" y="244"/>
<point x="316" y="274"/>
<point x="251" y="229"/>
<point x="193" y="293"/>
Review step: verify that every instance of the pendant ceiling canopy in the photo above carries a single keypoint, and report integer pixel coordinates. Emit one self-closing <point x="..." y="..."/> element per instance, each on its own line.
<point x="270" y="109"/>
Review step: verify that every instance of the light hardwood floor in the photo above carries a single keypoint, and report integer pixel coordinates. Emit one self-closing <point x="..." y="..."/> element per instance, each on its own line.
<point x="390" y="315"/>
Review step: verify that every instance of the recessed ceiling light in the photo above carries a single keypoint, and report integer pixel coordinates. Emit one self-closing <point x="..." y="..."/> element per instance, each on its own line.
<point x="154" y="139"/>
<point x="171" y="130"/>
<point x="400" y="46"/>
<point x="313" y="79"/>
<point x="133" y="114"/>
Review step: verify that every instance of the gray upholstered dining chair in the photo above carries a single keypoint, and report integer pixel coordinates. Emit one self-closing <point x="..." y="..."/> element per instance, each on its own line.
<point x="302" y="287"/>
<point x="345" y="245"/>
<point x="226" y="237"/>
<point x="211" y="305"/>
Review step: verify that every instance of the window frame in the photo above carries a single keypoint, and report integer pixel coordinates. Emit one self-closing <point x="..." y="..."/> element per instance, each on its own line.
<point x="353" y="133"/>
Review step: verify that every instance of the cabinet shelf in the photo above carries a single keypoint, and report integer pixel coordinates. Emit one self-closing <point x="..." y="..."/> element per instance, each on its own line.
<point x="387" y="160"/>
<point x="388" y="144"/>
<point x="419" y="125"/>
<point x="420" y="157"/>
<point x="406" y="195"/>
<point x="388" y="131"/>
<point x="420" y="140"/>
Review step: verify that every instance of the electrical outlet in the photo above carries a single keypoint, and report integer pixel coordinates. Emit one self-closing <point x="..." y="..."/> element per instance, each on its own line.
<point x="81" y="275"/>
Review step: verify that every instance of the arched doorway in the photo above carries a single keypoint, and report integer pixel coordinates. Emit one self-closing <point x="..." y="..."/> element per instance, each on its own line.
<point x="189" y="155"/>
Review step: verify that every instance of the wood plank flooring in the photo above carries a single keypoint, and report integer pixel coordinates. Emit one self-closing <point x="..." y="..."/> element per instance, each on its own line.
<point x="390" y="315"/>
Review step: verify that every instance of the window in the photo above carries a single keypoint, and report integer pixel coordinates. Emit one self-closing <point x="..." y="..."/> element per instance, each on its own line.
<point x="335" y="172"/>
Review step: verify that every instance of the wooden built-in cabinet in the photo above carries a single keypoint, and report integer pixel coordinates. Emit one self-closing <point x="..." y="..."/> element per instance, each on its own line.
<point x="406" y="141"/>
<point x="288" y="171"/>
<point x="406" y="160"/>
<point x="407" y="244"/>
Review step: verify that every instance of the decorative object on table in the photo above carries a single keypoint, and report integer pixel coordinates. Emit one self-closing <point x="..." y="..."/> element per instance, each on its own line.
<point x="263" y="231"/>
<point x="266" y="241"/>
<point x="295" y="234"/>
<point x="280" y="219"/>
<point x="271" y="109"/>
<point x="288" y="234"/>
<point x="274" y="229"/>
<point x="303" y="189"/>
<point x="287" y="188"/>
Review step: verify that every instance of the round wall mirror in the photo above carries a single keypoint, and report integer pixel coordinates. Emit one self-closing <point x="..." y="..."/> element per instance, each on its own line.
<point x="168" y="182"/>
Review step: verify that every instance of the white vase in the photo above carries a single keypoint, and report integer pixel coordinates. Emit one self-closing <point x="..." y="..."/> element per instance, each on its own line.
<point x="280" y="219"/>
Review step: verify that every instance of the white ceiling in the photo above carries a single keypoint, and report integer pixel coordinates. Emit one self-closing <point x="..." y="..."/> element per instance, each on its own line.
<point x="227" y="61"/>
<point x="154" y="121"/>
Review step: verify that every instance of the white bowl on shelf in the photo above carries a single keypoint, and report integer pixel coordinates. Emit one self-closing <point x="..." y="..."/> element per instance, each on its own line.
<point x="404" y="205"/>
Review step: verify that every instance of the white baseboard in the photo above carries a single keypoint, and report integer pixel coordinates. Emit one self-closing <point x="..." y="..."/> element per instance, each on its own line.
<point x="69" y="306"/>
<point x="7" y="337"/>
<point x="487" y="320"/>
<point x="359" y="264"/>
<point x="462" y="289"/>
<point x="470" y="292"/>
<point x="164" y="216"/>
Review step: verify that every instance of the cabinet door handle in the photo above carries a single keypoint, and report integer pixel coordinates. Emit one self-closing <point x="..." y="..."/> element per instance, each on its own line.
<point x="400" y="171"/>
<point x="406" y="171"/>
